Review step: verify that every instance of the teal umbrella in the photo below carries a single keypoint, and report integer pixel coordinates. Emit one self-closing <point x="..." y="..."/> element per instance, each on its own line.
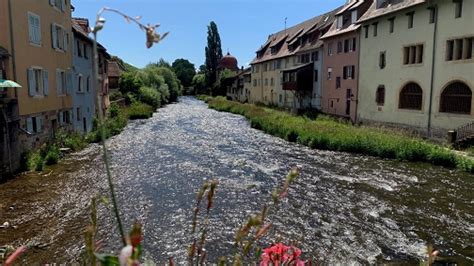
<point x="9" y="84"/>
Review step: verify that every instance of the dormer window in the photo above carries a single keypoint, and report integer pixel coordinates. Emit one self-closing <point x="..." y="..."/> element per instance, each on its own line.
<point x="339" y="22"/>
<point x="354" y="17"/>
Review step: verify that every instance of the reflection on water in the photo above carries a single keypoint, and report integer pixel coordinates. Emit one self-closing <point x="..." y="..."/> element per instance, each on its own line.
<point x="343" y="208"/>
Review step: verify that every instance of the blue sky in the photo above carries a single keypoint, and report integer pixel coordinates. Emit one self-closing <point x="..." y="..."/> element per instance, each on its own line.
<point x="243" y="25"/>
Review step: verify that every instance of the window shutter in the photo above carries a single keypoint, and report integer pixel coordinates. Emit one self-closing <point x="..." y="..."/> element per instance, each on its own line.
<point x="31" y="25"/>
<point x="353" y="72"/>
<point x="68" y="82"/>
<point x="66" y="40"/>
<point x="63" y="5"/>
<point x="54" y="36"/>
<point x="29" y="125"/>
<point x="39" y="124"/>
<point x="51" y="2"/>
<point x="70" y="117"/>
<point x="45" y="83"/>
<point x="61" y="118"/>
<point x="31" y="82"/>
<point x="58" y="83"/>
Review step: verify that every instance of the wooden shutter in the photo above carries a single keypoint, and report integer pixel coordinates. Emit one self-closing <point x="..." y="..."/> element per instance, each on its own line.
<point x="39" y="124"/>
<point x="69" y="83"/>
<point x="29" y="125"/>
<point x="51" y="2"/>
<point x="66" y="40"/>
<point x="353" y="72"/>
<point x="54" y="36"/>
<point x="45" y="82"/>
<point x="58" y="82"/>
<point x="63" y="5"/>
<point x="31" y="82"/>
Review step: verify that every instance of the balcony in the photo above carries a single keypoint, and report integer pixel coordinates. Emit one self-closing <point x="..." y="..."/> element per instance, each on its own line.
<point x="299" y="78"/>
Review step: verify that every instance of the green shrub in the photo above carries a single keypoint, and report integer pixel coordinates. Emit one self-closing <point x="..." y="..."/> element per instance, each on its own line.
<point x="53" y="156"/>
<point x="327" y="133"/>
<point x="150" y="96"/>
<point x="116" y="95"/>
<point x="35" y="161"/>
<point x="140" y="111"/>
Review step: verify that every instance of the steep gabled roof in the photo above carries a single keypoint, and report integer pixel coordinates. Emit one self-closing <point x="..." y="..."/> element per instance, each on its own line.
<point x="291" y="37"/>
<point x="388" y="7"/>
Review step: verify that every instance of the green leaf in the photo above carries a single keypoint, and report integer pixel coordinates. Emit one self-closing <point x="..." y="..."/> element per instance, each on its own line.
<point x="107" y="260"/>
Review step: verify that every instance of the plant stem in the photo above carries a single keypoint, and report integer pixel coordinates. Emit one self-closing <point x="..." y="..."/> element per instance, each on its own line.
<point x="103" y="137"/>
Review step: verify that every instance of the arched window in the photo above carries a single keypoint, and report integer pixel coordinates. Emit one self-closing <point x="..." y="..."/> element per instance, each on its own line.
<point x="456" y="98"/>
<point x="411" y="97"/>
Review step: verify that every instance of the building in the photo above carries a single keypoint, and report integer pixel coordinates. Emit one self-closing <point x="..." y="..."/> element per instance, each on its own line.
<point x="240" y="87"/>
<point x="115" y="70"/>
<point x="84" y="96"/>
<point x="287" y="70"/>
<point x="417" y="64"/>
<point x="39" y="41"/>
<point x="9" y="119"/>
<point x="341" y="61"/>
<point x="104" y="91"/>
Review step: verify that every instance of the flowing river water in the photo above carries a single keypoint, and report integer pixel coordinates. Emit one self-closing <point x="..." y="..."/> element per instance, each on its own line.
<point x="344" y="208"/>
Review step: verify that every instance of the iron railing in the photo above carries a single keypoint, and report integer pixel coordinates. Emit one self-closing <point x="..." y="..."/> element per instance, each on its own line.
<point x="465" y="131"/>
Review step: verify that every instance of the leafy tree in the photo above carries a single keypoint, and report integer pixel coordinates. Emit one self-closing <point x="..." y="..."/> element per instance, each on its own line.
<point x="202" y="69"/>
<point x="185" y="71"/>
<point x="213" y="53"/>
<point x="199" y="84"/>
<point x="224" y="80"/>
<point x="161" y="63"/>
<point x="129" y="82"/>
<point x="172" y="81"/>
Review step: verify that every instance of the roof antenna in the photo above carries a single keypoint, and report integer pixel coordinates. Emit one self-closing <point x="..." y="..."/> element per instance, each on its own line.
<point x="286" y="18"/>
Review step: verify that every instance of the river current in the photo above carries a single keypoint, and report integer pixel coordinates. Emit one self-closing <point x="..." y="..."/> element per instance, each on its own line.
<point x="343" y="208"/>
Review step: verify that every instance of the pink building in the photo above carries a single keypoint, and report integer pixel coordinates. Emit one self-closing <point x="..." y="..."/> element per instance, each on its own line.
<point x="341" y="61"/>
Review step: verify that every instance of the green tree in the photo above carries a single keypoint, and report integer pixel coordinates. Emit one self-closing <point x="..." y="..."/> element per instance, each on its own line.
<point x="129" y="82"/>
<point x="213" y="53"/>
<point x="199" y="84"/>
<point x="184" y="71"/>
<point x="172" y="81"/>
<point x="224" y="80"/>
<point x="202" y="69"/>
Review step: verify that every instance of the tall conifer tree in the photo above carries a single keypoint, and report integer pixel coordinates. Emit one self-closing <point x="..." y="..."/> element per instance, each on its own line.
<point x="213" y="53"/>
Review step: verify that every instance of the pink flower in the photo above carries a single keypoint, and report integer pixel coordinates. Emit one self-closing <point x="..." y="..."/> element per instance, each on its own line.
<point x="280" y="254"/>
<point x="15" y="255"/>
<point x="125" y="255"/>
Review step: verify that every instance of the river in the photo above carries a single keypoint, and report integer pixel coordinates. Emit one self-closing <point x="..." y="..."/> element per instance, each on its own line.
<point x="343" y="208"/>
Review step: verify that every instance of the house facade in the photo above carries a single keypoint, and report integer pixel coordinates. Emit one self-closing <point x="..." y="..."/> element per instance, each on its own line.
<point x="103" y="90"/>
<point x="39" y="41"/>
<point x="287" y="69"/>
<point x="417" y="64"/>
<point x="341" y="61"/>
<point x="115" y="70"/>
<point x="239" y="89"/>
<point x="9" y="117"/>
<point x="84" y="95"/>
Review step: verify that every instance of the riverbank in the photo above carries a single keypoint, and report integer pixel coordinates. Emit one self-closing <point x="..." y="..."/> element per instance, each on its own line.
<point x="117" y="119"/>
<point x="325" y="133"/>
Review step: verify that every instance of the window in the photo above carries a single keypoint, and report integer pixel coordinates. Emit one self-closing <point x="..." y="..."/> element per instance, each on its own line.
<point x="38" y="82"/>
<point x="266" y="82"/>
<point x="86" y="53"/>
<point x="64" y="118"/>
<point x="265" y="67"/>
<point x="382" y="60"/>
<point x="338" y="82"/>
<point x="456" y="98"/>
<point x="34" y="28"/>
<point x="79" y="48"/>
<point x="255" y="82"/>
<point x="346" y="46"/>
<point x="353" y="45"/>
<point x="410" y="16"/>
<point x="433" y="12"/>
<point x="78" y="114"/>
<point x="380" y="95"/>
<point x="375" y="25"/>
<point x="348" y="72"/>
<point x="272" y="82"/>
<point x="34" y="124"/>
<point x="392" y="24"/>
<point x="411" y="97"/>
<point x="64" y="82"/>
<point x="460" y="49"/>
<point x="59" y="37"/>
<point x="257" y="68"/>
<point x="457" y="8"/>
<point x="59" y="4"/>
<point x="315" y="56"/>
<point x="339" y="47"/>
<point x="339" y="21"/>
<point x="413" y="54"/>
<point x="329" y="49"/>
<point x="88" y="84"/>
<point x="366" y="31"/>
<point x="354" y="17"/>
<point x="329" y="73"/>
<point x="281" y="98"/>
<point x="316" y="75"/>
<point x="80" y="84"/>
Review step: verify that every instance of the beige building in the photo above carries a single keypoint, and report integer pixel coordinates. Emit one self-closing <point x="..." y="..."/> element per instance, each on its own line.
<point x="417" y="64"/>
<point x="38" y="38"/>
<point x="288" y="67"/>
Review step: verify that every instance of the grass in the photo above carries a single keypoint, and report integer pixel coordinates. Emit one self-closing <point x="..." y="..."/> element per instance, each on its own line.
<point x="328" y="134"/>
<point x="139" y="110"/>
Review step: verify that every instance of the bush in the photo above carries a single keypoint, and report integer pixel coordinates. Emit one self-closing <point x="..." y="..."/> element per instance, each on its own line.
<point x="150" y="96"/>
<point x="329" y="134"/>
<point x="35" y="161"/>
<point x="53" y="156"/>
<point x="140" y="111"/>
<point x="116" y="95"/>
